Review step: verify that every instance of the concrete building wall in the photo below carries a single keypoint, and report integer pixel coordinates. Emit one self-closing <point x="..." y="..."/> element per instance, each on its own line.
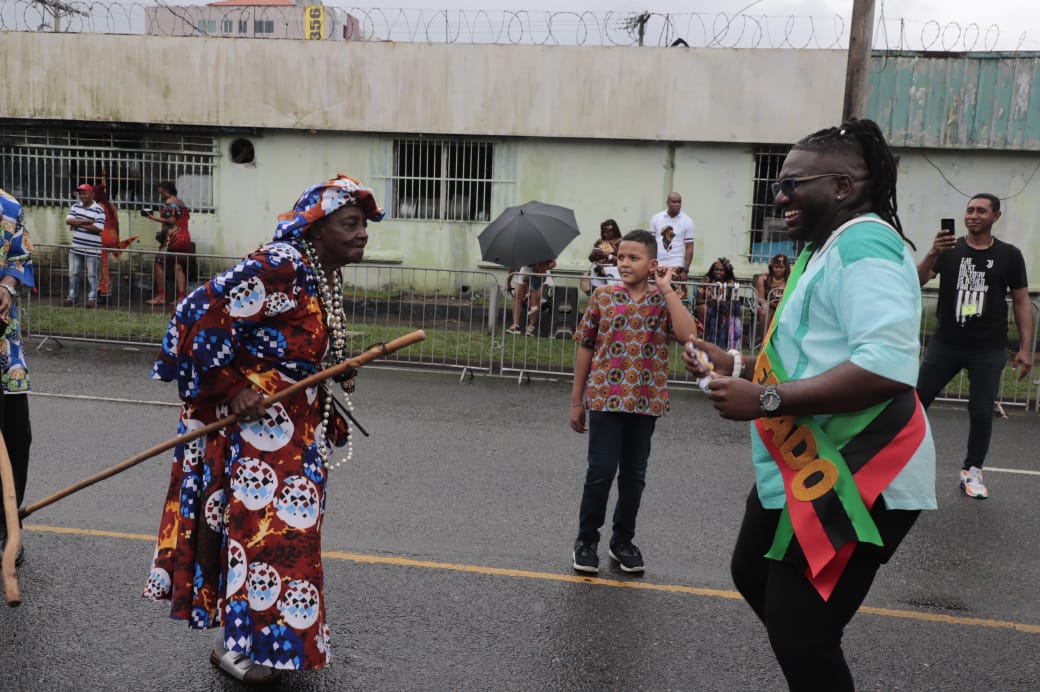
<point x="680" y="94"/>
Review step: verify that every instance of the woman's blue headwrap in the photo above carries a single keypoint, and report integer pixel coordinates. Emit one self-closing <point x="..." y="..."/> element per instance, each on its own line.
<point x="321" y="200"/>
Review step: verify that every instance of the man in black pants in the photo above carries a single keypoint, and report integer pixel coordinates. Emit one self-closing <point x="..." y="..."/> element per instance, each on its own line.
<point x="975" y="274"/>
<point x="15" y="268"/>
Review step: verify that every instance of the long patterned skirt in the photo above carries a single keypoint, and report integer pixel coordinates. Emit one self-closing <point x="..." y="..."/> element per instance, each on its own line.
<point x="240" y="537"/>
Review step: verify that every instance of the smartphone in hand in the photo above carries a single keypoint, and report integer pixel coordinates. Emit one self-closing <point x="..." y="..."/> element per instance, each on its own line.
<point x="947" y="226"/>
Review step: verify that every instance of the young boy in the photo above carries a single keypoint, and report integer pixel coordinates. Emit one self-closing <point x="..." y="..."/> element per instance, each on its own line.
<point x="620" y="376"/>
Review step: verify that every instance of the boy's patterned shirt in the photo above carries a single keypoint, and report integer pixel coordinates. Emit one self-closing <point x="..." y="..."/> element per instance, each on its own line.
<point x="630" y="343"/>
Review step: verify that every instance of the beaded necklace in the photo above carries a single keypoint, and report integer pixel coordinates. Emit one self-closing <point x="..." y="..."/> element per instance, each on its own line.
<point x="335" y="323"/>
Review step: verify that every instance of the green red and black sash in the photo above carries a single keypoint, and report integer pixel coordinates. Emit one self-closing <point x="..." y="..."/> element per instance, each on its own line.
<point x="833" y="473"/>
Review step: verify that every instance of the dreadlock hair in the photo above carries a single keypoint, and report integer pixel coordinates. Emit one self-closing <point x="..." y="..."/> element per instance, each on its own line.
<point x="863" y="139"/>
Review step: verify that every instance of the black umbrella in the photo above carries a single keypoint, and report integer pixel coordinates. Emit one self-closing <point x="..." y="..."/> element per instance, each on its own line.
<point x="532" y="232"/>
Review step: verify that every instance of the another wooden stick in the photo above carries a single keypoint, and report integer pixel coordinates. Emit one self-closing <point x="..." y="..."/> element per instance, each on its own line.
<point x="14" y="531"/>
<point x="368" y="356"/>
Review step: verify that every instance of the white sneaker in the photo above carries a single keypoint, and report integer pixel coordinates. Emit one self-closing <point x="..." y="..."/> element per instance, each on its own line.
<point x="971" y="483"/>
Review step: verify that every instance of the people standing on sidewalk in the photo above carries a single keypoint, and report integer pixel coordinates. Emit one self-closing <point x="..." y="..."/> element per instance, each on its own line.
<point x="976" y="272"/>
<point x="174" y="244"/>
<point x="109" y="238"/>
<point x="620" y="379"/>
<point x="239" y="543"/>
<point x="841" y="447"/>
<point x="16" y="269"/>
<point x="86" y="220"/>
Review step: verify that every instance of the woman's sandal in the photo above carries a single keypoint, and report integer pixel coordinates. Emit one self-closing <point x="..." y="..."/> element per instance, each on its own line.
<point x="514" y="329"/>
<point x="239" y="666"/>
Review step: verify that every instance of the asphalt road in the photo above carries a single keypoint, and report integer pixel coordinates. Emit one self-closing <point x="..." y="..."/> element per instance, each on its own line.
<point x="448" y="545"/>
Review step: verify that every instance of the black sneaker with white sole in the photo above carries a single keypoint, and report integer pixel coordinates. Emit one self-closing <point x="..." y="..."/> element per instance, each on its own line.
<point x="627" y="555"/>
<point x="585" y="558"/>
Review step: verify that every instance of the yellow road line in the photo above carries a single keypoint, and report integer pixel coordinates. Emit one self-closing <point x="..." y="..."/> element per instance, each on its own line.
<point x="575" y="579"/>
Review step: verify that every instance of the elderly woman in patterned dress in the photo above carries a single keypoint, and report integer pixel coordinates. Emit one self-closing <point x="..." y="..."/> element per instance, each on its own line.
<point x="240" y="536"/>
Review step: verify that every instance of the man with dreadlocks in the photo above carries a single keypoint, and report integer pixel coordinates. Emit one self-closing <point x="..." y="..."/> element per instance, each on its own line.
<point x="842" y="450"/>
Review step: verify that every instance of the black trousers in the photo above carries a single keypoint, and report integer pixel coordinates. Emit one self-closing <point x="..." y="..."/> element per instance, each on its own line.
<point x="804" y="630"/>
<point x="14" y="422"/>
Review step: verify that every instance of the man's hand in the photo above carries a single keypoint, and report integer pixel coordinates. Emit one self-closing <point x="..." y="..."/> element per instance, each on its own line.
<point x="1023" y="363"/>
<point x="722" y="361"/>
<point x="944" y="240"/>
<point x="735" y="398"/>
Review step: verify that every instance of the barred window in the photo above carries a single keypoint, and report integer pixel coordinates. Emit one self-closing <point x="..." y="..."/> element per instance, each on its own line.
<point x="43" y="167"/>
<point x="207" y="26"/>
<point x="447" y="180"/>
<point x="263" y="26"/>
<point x="768" y="233"/>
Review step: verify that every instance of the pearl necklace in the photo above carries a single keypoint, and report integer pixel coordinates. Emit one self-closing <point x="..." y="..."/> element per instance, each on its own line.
<point x="335" y="324"/>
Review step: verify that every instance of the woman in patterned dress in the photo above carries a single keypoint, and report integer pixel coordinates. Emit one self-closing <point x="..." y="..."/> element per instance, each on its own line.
<point x="240" y="536"/>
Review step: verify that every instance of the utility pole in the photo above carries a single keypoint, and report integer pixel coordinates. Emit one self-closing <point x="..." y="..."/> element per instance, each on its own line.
<point x="857" y="71"/>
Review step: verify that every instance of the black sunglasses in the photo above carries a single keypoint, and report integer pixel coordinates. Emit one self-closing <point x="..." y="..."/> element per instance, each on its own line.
<point x="789" y="185"/>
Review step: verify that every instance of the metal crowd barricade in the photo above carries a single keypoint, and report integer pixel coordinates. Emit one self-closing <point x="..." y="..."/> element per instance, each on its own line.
<point x="1012" y="393"/>
<point x="550" y="350"/>
<point x="122" y="316"/>
<point x="380" y="303"/>
<point x="454" y="307"/>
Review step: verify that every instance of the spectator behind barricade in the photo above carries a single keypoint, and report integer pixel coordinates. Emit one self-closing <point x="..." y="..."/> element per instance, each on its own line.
<point x="770" y="287"/>
<point x="530" y="281"/>
<point x="603" y="257"/>
<point x="174" y="243"/>
<point x="86" y="220"/>
<point x="673" y="230"/>
<point x="718" y="307"/>
<point x="109" y="238"/>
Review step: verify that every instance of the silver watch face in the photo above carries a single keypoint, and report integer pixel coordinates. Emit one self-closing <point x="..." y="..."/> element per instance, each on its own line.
<point x="770" y="400"/>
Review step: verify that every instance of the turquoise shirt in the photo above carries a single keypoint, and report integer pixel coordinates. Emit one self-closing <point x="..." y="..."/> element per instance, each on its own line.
<point x="858" y="300"/>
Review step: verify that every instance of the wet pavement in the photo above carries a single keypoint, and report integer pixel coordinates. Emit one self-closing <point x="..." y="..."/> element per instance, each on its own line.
<point x="449" y="538"/>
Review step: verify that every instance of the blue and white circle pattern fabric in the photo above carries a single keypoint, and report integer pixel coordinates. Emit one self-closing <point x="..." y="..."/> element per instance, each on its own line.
<point x="271" y="432"/>
<point x="216" y="504"/>
<point x="298" y="503"/>
<point x="158" y="585"/>
<point x="247" y="298"/>
<point x="193" y="450"/>
<point x="299" y="604"/>
<point x="238" y="627"/>
<point x="277" y="303"/>
<point x="278" y="646"/>
<point x="237" y="566"/>
<point x="264" y="585"/>
<point x="254" y="483"/>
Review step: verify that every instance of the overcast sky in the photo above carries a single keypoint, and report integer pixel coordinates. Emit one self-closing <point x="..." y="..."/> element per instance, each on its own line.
<point x="1018" y="21"/>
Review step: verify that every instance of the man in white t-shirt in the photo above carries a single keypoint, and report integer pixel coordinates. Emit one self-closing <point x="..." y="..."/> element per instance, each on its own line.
<point x="86" y="220"/>
<point x="674" y="233"/>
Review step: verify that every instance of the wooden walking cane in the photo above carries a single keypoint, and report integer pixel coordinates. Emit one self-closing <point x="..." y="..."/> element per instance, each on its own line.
<point x="368" y="356"/>
<point x="14" y="531"/>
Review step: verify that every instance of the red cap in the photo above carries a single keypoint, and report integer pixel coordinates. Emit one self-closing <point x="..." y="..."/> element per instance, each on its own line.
<point x="84" y="186"/>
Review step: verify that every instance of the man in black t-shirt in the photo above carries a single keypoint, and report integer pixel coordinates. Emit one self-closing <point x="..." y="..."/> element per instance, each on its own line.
<point x="975" y="274"/>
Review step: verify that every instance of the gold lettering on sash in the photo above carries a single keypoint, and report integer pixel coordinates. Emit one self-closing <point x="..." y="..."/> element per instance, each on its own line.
<point x="799" y="449"/>
<point x="804" y="493"/>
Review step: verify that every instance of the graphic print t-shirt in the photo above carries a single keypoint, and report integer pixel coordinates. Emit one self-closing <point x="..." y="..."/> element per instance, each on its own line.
<point x="973" y="287"/>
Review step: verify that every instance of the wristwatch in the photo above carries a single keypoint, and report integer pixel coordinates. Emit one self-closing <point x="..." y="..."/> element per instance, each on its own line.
<point x="770" y="400"/>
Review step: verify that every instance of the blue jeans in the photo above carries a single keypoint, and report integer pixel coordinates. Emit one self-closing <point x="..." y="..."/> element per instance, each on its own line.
<point x="619" y="443"/>
<point x="76" y="262"/>
<point x="943" y="361"/>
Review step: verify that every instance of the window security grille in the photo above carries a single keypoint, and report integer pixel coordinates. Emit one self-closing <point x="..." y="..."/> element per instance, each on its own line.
<point x="768" y="233"/>
<point x="447" y="180"/>
<point x="43" y="167"/>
